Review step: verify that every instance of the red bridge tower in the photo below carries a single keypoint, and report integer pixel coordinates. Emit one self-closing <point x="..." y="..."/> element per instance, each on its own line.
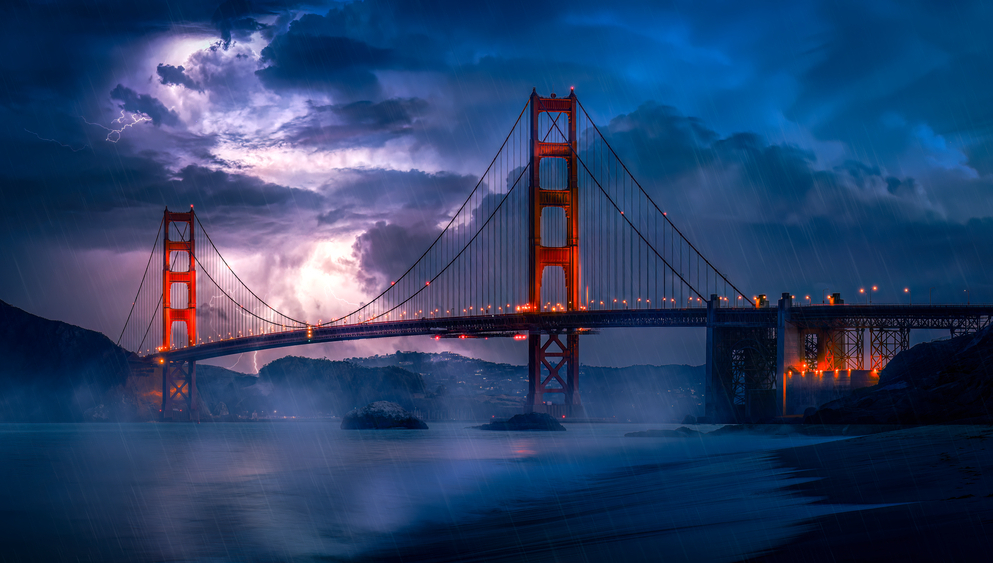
<point x="553" y="366"/>
<point x="179" y="381"/>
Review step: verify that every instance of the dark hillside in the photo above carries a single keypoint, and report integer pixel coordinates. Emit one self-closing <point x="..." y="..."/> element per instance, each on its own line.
<point x="51" y="371"/>
<point x="309" y="387"/>
<point x="472" y="389"/>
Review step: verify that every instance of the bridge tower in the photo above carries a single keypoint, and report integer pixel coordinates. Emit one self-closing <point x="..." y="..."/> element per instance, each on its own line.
<point x="179" y="396"/>
<point x="553" y="365"/>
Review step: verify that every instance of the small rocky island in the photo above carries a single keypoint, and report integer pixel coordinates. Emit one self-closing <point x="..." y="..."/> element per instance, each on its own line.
<point x="379" y="416"/>
<point x="527" y="421"/>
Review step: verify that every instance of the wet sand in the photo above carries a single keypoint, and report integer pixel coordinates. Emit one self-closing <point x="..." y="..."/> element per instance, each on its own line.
<point x="940" y="479"/>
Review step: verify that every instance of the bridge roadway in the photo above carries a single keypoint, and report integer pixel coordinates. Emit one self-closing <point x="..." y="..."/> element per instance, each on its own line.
<point x="953" y="317"/>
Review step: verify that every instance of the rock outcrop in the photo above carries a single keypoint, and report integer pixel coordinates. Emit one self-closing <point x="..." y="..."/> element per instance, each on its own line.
<point x="528" y="421"/>
<point x="381" y="415"/>
<point x="932" y="383"/>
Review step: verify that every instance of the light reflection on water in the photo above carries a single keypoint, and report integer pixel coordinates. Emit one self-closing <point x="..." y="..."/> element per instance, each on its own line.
<point x="306" y="491"/>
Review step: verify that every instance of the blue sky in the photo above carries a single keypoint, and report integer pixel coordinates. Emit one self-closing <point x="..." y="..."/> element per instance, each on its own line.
<point x="804" y="146"/>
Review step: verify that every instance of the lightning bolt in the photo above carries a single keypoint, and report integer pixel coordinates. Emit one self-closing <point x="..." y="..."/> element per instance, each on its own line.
<point x="210" y="304"/>
<point x="114" y="135"/>
<point x="59" y="143"/>
<point x="236" y="362"/>
<point x="327" y="291"/>
<point x="255" y="361"/>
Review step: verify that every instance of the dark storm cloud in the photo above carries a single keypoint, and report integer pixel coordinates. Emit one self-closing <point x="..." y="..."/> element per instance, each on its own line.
<point x="405" y="197"/>
<point x="386" y="250"/>
<point x="295" y="60"/>
<point x="234" y="16"/>
<point x="921" y="61"/>
<point x="216" y="189"/>
<point x="359" y="123"/>
<point x="741" y="171"/>
<point x="169" y="74"/>
<point x="386" y="115"/>
<point x="676" y="143"/>
<point x="145" y="105"/>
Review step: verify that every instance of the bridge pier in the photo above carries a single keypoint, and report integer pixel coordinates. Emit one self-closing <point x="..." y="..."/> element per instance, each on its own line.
<point x="553" y="367"/>
<point x="789" y="340"/>
<point x="741" y="380"/>
<point x="179" y="391"/>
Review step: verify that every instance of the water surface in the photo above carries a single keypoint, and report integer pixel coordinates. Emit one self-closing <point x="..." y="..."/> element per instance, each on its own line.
<point x="308" y="491"/>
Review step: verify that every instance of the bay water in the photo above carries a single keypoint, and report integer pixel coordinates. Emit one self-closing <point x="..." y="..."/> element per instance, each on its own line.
<point x="309" y="491"/>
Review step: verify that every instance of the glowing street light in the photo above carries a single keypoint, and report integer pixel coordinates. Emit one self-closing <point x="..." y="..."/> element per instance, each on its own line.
<point x="909" y="295"/>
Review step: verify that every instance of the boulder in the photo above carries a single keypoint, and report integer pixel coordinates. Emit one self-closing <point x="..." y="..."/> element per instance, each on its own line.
<point x="528" y="421"/>
<point x="381" y="415"/>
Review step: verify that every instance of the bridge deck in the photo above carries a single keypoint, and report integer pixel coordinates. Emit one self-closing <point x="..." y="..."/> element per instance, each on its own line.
<point x="816" y="316"/>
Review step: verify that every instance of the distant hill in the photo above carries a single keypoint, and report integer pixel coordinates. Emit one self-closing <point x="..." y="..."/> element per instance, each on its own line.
<point x="636" y="393"/>
<point x="226" y="393"/>
<point x="309" y="387"/>
<point x="942" y="382"/>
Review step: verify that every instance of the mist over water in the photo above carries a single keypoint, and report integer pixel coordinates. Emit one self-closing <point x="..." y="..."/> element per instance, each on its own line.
<point x="309" y="491"/>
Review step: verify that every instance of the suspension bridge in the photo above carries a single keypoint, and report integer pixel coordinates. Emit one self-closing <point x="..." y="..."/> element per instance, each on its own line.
<point x="556" y="240"/>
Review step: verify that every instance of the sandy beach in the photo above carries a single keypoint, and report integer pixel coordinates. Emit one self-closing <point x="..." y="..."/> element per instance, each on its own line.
<point x="937" y="478"/>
